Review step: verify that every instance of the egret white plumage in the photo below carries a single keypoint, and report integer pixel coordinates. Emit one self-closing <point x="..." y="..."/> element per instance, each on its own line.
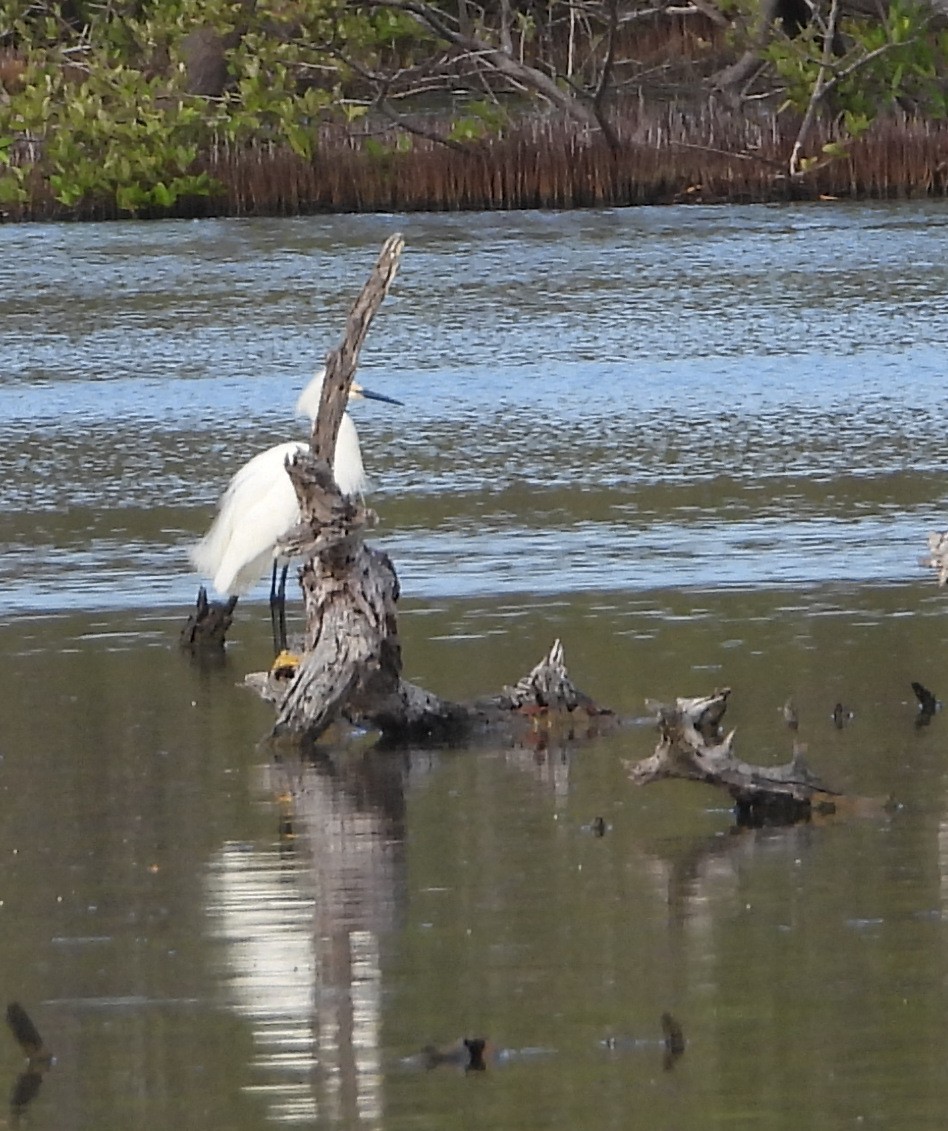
<point x="259" y="505"/>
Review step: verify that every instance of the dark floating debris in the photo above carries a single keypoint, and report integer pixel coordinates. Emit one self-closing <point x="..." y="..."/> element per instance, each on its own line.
<point x="928" y="705"/>
<point x="25" y="1033"/>
<point x="470" y="1053"/>
<point x="674" y="1039"/>
<point x="598" y="826"/>
<point x="673" y="1042"/>
<point x="841" y="716"/>
<point x="38" y="1059"/>
<point x="206" y="628"/>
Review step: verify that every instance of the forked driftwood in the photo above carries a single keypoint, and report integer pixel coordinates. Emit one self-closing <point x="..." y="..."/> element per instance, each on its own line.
<point x="351" y="659"/>
<point x="206" y="628"/>
<point x="691" y="746"/>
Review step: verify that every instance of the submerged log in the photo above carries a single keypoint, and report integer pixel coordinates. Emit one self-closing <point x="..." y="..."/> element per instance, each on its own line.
<point x="691" y="746"/>
<point x="545" y="704"/>
<point x="546" y="688"/>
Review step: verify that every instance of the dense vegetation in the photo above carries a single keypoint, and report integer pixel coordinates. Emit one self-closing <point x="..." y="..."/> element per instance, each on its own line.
<point x="153" y="107"/>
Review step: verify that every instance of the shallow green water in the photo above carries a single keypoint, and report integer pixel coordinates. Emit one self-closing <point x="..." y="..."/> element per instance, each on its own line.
<point x="701" y="446"/>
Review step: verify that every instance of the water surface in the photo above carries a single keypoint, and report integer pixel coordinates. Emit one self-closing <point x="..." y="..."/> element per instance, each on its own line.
<point x="703" y="446"/>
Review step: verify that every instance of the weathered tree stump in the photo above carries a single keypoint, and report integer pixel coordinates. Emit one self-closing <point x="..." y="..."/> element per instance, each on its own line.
<point x="206" y="628"/>
<point x="691" y="746"/>
<point x="351" y="662"/>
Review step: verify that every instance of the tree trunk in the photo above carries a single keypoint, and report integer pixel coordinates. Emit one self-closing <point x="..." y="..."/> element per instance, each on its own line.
<point x="352" y="660"/>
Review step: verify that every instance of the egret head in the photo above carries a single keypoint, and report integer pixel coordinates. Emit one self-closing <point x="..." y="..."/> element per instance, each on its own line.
<point x="308" y="403"/>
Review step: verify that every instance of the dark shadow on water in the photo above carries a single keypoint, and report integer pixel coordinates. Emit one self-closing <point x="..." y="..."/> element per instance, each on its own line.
<point x="38" y="1061"/>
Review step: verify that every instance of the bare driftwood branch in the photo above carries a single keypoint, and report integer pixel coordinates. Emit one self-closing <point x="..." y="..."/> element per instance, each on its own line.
<point x="938" y="555"/>
<point x="349" y="590"/>
<point x="351" y="663"/>
<point x="691" y="747"/>
<point x="341" y="363"/>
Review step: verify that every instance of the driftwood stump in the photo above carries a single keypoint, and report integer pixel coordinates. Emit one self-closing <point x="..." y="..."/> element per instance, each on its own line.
<point x="691" y="746"/>
<point x="206" y="628"/>
<point x="351" y="662"/>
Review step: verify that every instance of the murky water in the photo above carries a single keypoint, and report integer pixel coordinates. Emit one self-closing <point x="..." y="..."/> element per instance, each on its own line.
<point x="703" y="446"/>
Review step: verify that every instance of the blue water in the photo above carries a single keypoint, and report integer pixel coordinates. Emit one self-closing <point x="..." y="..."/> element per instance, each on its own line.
<point x="638" y="399"/>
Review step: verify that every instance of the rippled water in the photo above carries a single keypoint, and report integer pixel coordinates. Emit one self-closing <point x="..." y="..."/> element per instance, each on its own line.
<point x="750" y="396"/>
<point x="703" y="446"/>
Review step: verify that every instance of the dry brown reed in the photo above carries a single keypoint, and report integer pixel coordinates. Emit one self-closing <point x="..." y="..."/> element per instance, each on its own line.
<point x="709" y="155"/>
<point x="674" y="156"/>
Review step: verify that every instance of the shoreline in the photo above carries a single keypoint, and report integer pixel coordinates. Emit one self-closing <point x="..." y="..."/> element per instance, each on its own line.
<point x="671" y="157"/>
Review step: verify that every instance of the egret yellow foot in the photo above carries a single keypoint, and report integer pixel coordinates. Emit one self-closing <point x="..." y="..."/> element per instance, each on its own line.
<point x="285" y="665"/>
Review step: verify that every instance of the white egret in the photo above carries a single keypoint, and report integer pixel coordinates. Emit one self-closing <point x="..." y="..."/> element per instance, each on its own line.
<point x="259" y="506"/>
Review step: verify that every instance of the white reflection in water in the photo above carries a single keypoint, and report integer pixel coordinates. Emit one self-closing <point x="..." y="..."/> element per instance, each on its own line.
<point x="943" y="862"/>
<point x="301" y="927"/>
<point x="547" y="762"/>
<point x="262" y="911"/>
<point x="704" y="882"/>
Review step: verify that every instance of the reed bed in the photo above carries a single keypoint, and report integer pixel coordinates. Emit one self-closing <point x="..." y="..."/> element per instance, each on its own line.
<point x="708" y="155"/>
<point x="669" y="158"/>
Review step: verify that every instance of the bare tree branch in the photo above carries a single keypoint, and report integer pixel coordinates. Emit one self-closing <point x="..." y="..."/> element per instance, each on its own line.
<point x="608" y="130"/>
<point x="503" y="62"/>
<point x="824" y="85"/>
<point x="819" y="90"/>
<point x="418" y="130"/>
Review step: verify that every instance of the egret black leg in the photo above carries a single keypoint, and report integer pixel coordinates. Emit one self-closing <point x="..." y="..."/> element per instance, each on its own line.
<point x="282" y="596"/>
<point x="274" y="618"/>
<point x="278" y="608"/>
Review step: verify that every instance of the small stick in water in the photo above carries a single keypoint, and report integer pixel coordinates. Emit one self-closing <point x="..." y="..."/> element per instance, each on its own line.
<point x="27" y="1035"/>
<point x="927" y="704"/>
<point x="39" y="1060"/>
<point x="674" y="1039"/>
